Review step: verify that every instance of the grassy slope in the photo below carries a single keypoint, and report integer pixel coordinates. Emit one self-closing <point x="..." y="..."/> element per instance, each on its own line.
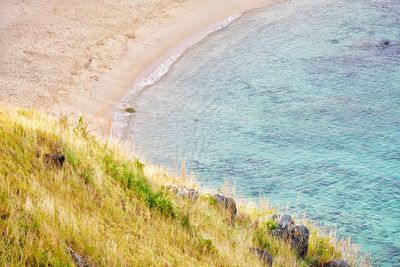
<point x="103" y="206"/>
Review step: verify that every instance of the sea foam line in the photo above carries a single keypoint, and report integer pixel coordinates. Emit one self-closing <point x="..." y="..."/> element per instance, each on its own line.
<point x="159" y="69"/>
<point x="185" y="45"/>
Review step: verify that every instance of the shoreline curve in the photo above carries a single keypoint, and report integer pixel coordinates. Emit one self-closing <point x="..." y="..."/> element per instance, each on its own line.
<point x="141" y="59"/>
<point x="159" y="68"/>
<point x="151" y="74"/>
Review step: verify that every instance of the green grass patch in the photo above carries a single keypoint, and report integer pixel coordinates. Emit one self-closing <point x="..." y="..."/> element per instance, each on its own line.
<point x="320" y="250"/>
<point x="112" y="210"/>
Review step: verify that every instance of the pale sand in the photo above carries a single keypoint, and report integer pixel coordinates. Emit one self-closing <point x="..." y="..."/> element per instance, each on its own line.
<point x="81" y="57"/>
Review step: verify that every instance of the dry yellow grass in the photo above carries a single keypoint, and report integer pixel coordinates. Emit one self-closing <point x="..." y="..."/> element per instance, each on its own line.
<point x="113" y="211"/>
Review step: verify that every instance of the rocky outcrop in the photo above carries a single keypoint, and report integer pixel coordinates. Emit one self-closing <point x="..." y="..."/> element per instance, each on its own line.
<point x="337" y="263"/>
<point x="299" y="240"/>
<point x="228" y="204"/>
<point x="297" y="235"/>
<point x="284" y="228"/>
<point x="55" y="159"/>
<point x="80" y="261"/>
<point x="263" y="256"/>
<point x="184" y="192"/>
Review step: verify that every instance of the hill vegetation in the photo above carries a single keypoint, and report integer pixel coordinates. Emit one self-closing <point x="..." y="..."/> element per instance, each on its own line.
<point x="96" y="206"/>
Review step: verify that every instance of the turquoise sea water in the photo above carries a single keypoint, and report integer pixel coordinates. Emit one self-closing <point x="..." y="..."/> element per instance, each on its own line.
<point x="299" y="103"/>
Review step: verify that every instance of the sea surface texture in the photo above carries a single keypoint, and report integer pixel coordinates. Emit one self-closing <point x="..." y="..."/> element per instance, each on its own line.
<point x="299" y="103"/>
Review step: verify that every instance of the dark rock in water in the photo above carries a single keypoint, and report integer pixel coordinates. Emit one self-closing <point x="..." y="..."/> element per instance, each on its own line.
<point x="337" y="263"/>
<point x="79" y="260"/>
<point x="263" y="256"/>
<point x="299" y="240"/>
<point x="386" y="42"/>
<point x="57" y="159"/>
<point x="184" y="192"/>
<point x="228" y="203"/>
<point x="284" y="227"/>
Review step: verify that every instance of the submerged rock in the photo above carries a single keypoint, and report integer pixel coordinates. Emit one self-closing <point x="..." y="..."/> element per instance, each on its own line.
<point x="299" y="240"/>
<point x="56" y="159"/>
<point x="228" y="203"/>
<point x="337" y="263"/>
<point x="130" y="110"/>
<point x="263" y="256"/>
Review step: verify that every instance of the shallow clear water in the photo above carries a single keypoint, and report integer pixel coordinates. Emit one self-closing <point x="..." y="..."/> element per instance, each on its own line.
<point x="299" y="103"/>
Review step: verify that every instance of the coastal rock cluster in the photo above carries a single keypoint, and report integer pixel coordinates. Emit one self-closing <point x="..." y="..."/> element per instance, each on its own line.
<point x="297" y="235"/>
<point x="227" y="203"/>
<point x="263" y="256"/>
<point x="337" y="263"/>
<point x="285" y="228"/>
<point x="184" y="192"/>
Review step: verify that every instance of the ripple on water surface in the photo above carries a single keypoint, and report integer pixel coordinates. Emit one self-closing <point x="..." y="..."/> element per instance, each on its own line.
<point x="301" y="103"/>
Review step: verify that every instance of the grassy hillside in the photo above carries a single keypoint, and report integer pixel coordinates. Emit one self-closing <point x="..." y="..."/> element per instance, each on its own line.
<point x="106" y="209"/>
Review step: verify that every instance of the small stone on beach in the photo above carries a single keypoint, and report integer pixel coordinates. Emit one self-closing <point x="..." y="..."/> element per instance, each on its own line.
<point x="130" y="110"/>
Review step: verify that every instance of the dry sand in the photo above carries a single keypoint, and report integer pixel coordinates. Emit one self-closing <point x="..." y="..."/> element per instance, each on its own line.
<point x="81" y="57"/>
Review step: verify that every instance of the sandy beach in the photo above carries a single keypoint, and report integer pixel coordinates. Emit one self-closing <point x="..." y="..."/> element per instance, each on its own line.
<point x="81" y="57"/>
